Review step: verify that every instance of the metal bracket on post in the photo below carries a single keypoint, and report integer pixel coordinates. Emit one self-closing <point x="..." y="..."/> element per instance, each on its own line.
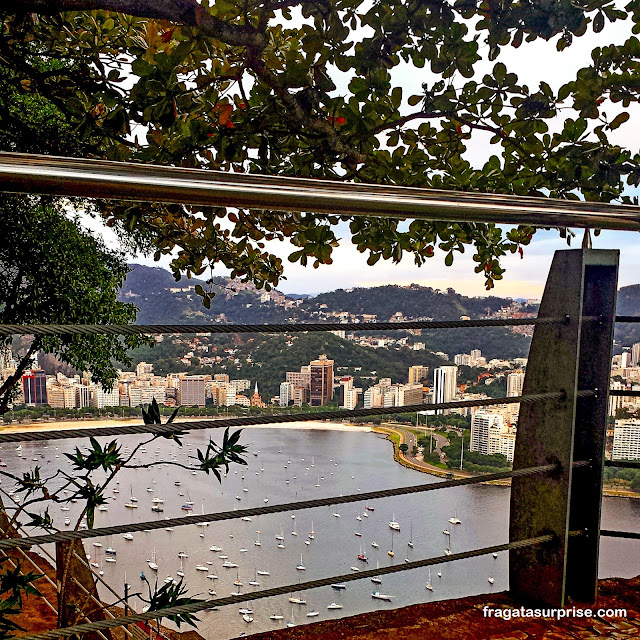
<point x="573" y="356"/>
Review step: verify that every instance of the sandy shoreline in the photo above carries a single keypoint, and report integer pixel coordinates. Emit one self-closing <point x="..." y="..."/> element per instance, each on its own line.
<point x="65" y="425"/>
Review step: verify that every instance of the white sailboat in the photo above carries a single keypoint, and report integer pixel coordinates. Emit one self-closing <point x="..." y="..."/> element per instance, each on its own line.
<point x="381" y="596"/>
<point x="455" y="519"/>
<point x="447" y="551"/>
<point x="297" y="600"/>
<point x="410" y="543"/>
<point x="300" y="567"/>
<point x="393" y="525"/>
<point x="428" y="585"/>
<point x="202" y="524"/>
<point x="377" y="579"/>
<point x="254" y="582"/>
<point x="152" y="563"/>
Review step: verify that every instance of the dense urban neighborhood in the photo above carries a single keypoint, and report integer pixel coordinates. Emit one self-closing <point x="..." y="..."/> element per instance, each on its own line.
<point x="340" y="369"/>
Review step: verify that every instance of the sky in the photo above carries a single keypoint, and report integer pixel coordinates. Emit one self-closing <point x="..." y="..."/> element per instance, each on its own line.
<point x="524" y="278"/>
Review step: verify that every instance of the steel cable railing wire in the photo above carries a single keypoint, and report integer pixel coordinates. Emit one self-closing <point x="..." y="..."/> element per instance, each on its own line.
<point x="150" y="525"/>
<point x="176" y="427"/>
<point x="195" y="607"/>
<point x="623" y="464"/>
<point x="151" y="329"/>
<point x="612" y="533"/>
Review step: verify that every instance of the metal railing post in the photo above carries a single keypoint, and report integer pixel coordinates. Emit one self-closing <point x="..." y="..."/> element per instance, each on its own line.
<point x="571" y="357"/>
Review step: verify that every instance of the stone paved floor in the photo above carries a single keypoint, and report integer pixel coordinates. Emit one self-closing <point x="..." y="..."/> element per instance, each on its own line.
<point x="463" y="619"/>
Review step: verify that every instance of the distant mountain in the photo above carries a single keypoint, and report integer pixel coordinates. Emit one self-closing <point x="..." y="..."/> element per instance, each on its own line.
<point x="413" y="301"/>
<point x="162" y="300"/>
<point x="298" y="296"/>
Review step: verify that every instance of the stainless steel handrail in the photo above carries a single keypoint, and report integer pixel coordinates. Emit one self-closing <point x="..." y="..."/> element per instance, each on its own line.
<point x="128" y="181"/>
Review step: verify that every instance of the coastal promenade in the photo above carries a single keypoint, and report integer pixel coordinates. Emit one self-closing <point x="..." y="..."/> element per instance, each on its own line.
<point x="64" y="425"/>
<point x="399" y="435"/>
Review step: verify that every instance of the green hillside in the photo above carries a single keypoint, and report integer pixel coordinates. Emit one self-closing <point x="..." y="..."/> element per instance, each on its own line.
<point x="272" y="357"/>
<point x="151" y="290"/>
<point x="414" y="301"/>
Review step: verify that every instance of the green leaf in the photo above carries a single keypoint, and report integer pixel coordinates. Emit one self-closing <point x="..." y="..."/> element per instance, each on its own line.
<point x="620" y="119"/>
<point x="598" y="22"/>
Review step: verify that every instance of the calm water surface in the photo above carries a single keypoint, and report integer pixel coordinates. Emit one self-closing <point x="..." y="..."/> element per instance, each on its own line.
<point x="347" y="462"/>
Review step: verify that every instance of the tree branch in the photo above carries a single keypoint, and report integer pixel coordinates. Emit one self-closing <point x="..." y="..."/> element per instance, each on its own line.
<point x="186" y="12"/>
<point x="8" y="384"/>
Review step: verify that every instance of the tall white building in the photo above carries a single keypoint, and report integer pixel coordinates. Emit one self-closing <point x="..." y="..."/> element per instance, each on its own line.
<point x="139" y="395"/>
<point x="351" y="399"/>
<point x="483" y="431"/>
<point x="373" y="397"/>
<point x="635" y="355"/>
<point x="240" y="385"/>
<point x="625" y="359"/>
<point x="100" y="398"/>
<point x="385" y="394"/>
<point x="490" y="434"/>
<point x="515" y="382"/>
<point x="286" y="393"/>
<point x="462" y="359"/>
<point x="444" y="384"/>
<point x="82" y="396"/>
<point x="348" y="393"/>
<point x="626" y="440"/>
<point x="231" y="397"/>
